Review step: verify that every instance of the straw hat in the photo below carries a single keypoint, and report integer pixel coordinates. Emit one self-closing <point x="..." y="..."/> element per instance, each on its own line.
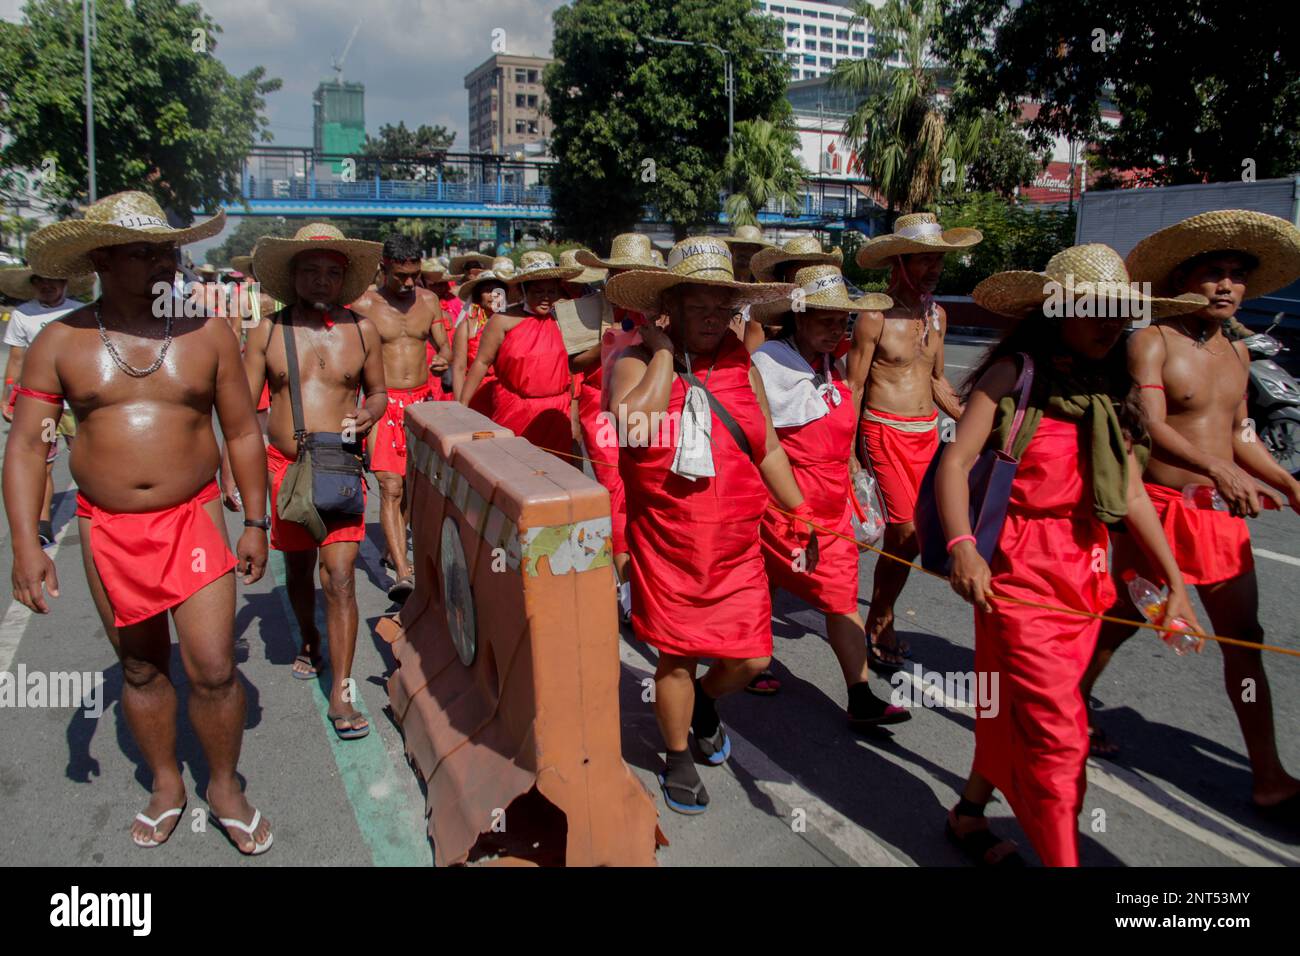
<point x="805" y="249"/>
<point x="747" y="237"/>
<point x="459" y="263"/>
<point x="537" y="266"/>
<point x="569" y="258"/>
<point x="503" y="270"/>
<point x="59" y="249"/>
<point x="657" y="257"/>
<point x="913" y="233"/>
<point x="207" y="269"/>
<point x="1090" y="269"/>
<point x="242" y="264"/>
<point x="1273" y="241"/>
<point x="16" y="283"/>
<point x="822" y="287"/>
<point x="434" y="268"/>
<point x="629" y="250"/>
<point x="273" y="261"/>
<point x="696" y="260"/>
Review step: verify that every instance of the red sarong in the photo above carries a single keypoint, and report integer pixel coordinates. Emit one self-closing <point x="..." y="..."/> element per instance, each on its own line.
<point x="1053" y="551"/>
<point x="390" y="430"/>
<point x="819" y="456"/>
<point x="698" y="586"/>
<point x="264" y="403"/>
<point x="899" y="459"/>
<point x="436" y="394"/>
<point x="291" y="536"/>
<point x="151" y="561"/>
<point x="531" y="395"/>
<point x="482" y="400"/>
<point x="1209" y="546"/>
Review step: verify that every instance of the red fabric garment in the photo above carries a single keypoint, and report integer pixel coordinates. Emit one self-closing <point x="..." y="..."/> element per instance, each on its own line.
<point x="1209" y="546"/>
<point x="600" y="440"/>
<point x="454" y="305"/>
<point x="151" y="561"/>
<point x="264" y="403"/>
<point x="390" y="430"/>
<point x="436" y="394"/>
<point x="899" y="460"/>
<point x="819" y="455"/>
<point x="291" y="536"/>
<point x="482" y="400"/>
<point x="698" y="585"/>
<point x="531" y="395"/>
<point x="1052" y="550"/>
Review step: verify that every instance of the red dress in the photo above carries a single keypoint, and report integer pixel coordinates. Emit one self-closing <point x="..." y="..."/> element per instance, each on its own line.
<point x="482" y="400"/>
<point x="601" y="443"/>
<point x="1052" y="550"/>
<point x="531" y="396"/>
<point x="819" y="456"/>
<point x="698" y="586"/>
<point x="435" y="381"/>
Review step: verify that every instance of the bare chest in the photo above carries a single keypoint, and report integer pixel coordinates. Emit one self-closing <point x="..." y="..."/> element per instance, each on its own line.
<point x="395" y="325"/>
<point x="1197" y="378"/>
<point x="185" y="373"/>
<point x="909" y="341"/>
<point x="334" y="357"/>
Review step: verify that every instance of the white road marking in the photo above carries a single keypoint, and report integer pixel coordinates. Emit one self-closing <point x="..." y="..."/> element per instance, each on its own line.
<point x="1274" y="556"/>
<point x="852" y="840"/>
<point x="18" y="615"/>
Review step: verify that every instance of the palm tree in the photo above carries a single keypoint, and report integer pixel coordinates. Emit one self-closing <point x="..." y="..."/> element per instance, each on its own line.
<point x="762" y="167"/>
<point x="898" y="129"/>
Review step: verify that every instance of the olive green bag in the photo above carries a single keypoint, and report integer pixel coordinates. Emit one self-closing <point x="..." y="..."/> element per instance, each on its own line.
<point x="295" y="502"/>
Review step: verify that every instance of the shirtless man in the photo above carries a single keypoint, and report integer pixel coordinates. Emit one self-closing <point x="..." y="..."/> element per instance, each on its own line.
<point x="896" y="359"/>
<point x="152" y="534"/>
<point x="339" y="356"/>
<point x="406" y="317"/>
<point x="1192" y="381"/>
<point x="43" y="300"/>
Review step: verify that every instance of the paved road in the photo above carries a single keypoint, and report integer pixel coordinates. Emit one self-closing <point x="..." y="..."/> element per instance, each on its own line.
<point x="799" y="790"/>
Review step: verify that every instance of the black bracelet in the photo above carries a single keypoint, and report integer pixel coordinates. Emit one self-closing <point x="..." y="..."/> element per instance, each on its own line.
<point x="263" y="523"/>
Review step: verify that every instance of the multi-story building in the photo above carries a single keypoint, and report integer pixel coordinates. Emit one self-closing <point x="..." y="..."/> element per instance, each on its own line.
<point x="506" y="103"/>
<point x="818" y="34"/>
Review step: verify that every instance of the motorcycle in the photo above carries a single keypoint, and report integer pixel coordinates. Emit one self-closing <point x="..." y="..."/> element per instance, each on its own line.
<point x="1273" y="399"/>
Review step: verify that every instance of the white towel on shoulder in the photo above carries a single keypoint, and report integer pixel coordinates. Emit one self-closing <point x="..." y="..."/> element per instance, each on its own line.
<point x="793" y="396"/>
<point x="694" y="455"/>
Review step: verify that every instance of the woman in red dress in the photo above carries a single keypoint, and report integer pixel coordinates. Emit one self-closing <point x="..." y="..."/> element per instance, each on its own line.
<point x="813" y="414"/>
<point x="485" y="295"/>
<point x="698" y="461"/>
<point x="1077" y="474"/>
<point x="525" y="349"/>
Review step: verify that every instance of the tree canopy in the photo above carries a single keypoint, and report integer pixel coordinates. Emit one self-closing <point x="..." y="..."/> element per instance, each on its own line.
<point x="638" y="123"/>
<point x="170" y="118"/>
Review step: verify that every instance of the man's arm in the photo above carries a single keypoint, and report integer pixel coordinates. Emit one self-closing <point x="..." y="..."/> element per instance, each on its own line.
<point x="237" y="413"/>
<point x="13" y="373"/>
<point x="1255" y="459"/>
<point x="945" y="396"/>
<point x="438" y="336"/>
<point x="493" y="335"/>
<point x="24" y="473"/>
<point x="372" y="379"/>
<point x="866" y="333"/>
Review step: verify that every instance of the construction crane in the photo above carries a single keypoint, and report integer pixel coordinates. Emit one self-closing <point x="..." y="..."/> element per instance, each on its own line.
<point x="337" y="62"/>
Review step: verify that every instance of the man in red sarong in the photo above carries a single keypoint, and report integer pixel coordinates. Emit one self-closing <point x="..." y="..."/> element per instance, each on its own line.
<point x="1193" y="383"/>
<point x="697" y="484"/>
<point x="339" y="356"/>
<point x="143" y="381"/>
<point x="897" y="361"/>
<point x="408" y="320"/>
<point x="525" y="349"/>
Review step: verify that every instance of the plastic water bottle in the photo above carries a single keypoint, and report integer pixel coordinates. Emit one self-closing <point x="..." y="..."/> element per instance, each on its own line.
<point x="1151" y="601"/>
<point x="1207" y="498"/>
<point x="869" y="529"/>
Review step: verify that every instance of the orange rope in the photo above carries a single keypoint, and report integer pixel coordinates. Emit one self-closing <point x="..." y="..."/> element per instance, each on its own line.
<point x="1006" y="599"/>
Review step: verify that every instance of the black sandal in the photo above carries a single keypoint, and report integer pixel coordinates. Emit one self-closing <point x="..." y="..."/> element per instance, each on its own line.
<point x="981" y="847"/>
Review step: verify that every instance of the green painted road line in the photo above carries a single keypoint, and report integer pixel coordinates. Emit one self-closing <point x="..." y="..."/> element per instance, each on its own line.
<point x="392" y="828"/>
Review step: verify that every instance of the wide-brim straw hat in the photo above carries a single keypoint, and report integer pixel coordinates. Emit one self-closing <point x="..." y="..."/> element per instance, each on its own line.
<point x="915" y="233"/>
<point x="696" y="260"/>
<point x="435" y="269"/>
<point x="747" y="237"/>
<point x="60" y="249"/>
<point x="803" y="249"/>
<point x="629" y="250"/>
<point x="821" y="287"/>
<point x="538" y="266"/>
<point x="1271" y="240"/>
<point x="569" y="258"/>
<point x="1092" y="269"/>
<point x="498" y="273"/>
<point x="242" y="264"/>
<point x="16" y="283"/>
<point x="273" y="261"/>
<point x="459" y="263"/>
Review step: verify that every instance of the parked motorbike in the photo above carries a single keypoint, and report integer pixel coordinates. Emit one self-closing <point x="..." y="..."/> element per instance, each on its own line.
<point x="1273" y="399"/>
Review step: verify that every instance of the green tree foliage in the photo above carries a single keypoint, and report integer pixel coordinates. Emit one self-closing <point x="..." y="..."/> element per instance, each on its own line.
<point x="762" y="168"/>
<point x="427" y="144"/>
<point x="1202" y="85"/>
<point x="1015" y="237"/>
<point x="170" y="119"/>
<point x="641" y="124"/>
<point x="1001" y="159"/>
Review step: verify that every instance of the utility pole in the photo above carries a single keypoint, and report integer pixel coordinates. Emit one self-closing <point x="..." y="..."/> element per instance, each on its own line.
<point x="86" y="19"/>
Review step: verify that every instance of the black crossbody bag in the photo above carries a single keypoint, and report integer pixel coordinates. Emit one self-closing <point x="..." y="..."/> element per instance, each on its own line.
<point x="337" y="472"/>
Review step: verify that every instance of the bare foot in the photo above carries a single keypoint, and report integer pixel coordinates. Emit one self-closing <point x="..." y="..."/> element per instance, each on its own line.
<point x="236" y="806"/>
<point x="1280" y="792"/>
<point x="165" y="797"/>
<point x="309" y="658"/>
<point x="884" y="642"/>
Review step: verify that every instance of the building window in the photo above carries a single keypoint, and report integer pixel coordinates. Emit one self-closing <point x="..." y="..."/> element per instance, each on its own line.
<point x="857" y="36"/>
<point x="827" y="47"/>
<point x="809" y="29"/>
<point x="809" y="60"/>
<point x="827" y="61"/>
<point x="857" y="51"/>
<point x="520" y="126"/>
<point x="827" y="32"/>
<point x="532" y="102"/>
<point x="521" y="76"/>
<point x="532" y="76"/>
<point x="842" y="48"/>
<point x="826" y="16"/>
<point x="792" y="27"/>
<point x="532" y="126"/>
<point x="775" y="9"/>
<point x="792" y="41"/>
<point x="841" y="34"/>
<point x="519" y="101"/>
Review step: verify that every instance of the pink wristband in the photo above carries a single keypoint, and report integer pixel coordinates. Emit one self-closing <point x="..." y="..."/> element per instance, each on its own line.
<point x="959" y="539"/>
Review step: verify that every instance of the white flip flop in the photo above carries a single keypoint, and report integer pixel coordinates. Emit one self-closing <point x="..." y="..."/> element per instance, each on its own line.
<point x="226" y="823"/>
<point x="154" y="824"/>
